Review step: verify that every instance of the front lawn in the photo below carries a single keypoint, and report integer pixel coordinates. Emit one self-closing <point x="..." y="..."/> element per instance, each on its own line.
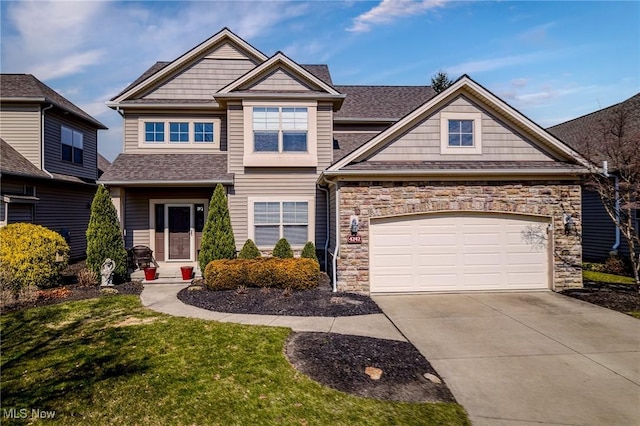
<point x="110" y="360"/>
<point x="602" y="277"/>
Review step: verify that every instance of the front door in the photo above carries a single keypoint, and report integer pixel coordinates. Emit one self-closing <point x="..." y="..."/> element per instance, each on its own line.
<point x="179" y="221"/>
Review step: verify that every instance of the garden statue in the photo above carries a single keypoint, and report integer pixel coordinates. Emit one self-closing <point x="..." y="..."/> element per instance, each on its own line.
<point x="106" y="270"/>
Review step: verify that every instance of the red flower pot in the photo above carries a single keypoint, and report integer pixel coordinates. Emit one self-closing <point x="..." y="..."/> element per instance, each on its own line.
<point x="187" y="272"/>
<point x="150" y="273"/>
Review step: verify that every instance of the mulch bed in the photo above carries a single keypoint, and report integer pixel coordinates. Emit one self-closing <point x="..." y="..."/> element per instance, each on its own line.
<point x="320" y="301"/>
<point x="339" y="361"/>
<point x="622" y="298"/>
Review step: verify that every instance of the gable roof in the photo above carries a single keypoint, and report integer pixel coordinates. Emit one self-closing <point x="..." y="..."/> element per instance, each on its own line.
<point x="13" y="163"/>
<point x="160" y="70"/>
<point x="388" y="103"/>
<point x="463" y="85"/>
<point x="27" y="88"/>
<point x="578" y="131"/>
<point x="103" y="164"/>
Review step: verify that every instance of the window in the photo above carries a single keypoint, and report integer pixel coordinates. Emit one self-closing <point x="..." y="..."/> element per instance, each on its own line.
<point x="280" y="129"/>
<point x="460" y="133"/>
<point x="171" y="134"/>
<point x="178" y="132"/>
<point x="72" y="145"/>
<point x="273" y="220"/>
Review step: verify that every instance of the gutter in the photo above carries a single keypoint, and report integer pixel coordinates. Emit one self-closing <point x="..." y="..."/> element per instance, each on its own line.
<point x="163" y="182"/>
<point x="327" y="227"/>
<point x="42" y="140"/>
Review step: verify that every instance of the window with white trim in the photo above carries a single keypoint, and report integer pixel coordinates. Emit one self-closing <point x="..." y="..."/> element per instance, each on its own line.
<point x="72" y="145"/>
<point x="273" y="220"/>
<point x="175" y="133"/>
<point x="460" y="133"/>
<point x="280" y="129"/>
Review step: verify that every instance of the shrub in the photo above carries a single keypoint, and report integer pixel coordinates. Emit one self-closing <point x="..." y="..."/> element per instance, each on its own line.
<point x="614" y="265"/>
<point x="31" y="255"/>
<point x="87" y="278"/>
<point x="217" y="235"/>
<point x="296" y="274"/>
<point x="283" y="249"/>
<point x="104" y="237"/>
<point x="309" y="251"/>
<point x="249" y="251"/>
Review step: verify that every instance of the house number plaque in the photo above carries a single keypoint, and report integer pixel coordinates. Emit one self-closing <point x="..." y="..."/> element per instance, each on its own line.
<point x="354" y="239"/>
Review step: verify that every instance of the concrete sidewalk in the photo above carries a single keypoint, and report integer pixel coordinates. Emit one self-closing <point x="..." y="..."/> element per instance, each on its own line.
<point x="163" y="298"/>
<point x="527" y="358"/>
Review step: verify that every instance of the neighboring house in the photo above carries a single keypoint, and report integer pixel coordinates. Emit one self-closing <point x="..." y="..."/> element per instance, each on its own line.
<point x="600" y="236"/>
<point x="448" y="192"/>
<point x="49" y="162"/>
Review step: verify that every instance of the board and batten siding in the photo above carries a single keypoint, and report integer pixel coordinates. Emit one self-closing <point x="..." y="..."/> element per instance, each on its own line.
<point x="276" y="182"/>
<point x="280" y="80"/>
<point x="499" y="142"/>
<point x="20" y="128"/>
<point x="131" y="137"/>
<point x="202" y="79"/>
<point x="137" y="214"/>
<point x="53" y="147"/>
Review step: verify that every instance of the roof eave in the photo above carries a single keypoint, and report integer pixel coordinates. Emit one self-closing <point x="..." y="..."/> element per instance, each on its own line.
<point x="22" y="99"/>
<point x="226" y="181"/>
<point x="366" y="119"/>
<point x="208" y="105"/>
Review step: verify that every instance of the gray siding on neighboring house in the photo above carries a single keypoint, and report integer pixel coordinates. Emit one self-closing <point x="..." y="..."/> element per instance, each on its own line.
<point x="20" y="127"/>
<point x="598" y="230"/>
<point x="279" y="81"/>
<point x="499" y="142"/>
<point x="202" y="79"/>
<point x="137" y="214"/>
<point x="53" y="147"/>
<point x="272" y="181"/>
<point x="20" y="213"/>
<point x="131" y="126"/>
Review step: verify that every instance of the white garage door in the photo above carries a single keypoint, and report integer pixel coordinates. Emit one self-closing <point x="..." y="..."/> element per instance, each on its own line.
<point x="457" y="252"/>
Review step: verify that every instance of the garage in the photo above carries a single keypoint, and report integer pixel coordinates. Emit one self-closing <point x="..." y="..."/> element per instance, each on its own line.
<point x="457" y="252"/>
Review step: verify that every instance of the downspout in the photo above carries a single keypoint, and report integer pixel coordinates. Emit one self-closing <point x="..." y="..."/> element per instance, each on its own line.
<point x="123" y="138"/>
<point x="42" y="140"/>
<point x="616" y="184"/>
<point x="337" y="248"/>
<point x="327" y="227"/>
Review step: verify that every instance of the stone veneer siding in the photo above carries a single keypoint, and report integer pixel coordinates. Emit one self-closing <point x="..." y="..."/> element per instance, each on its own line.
<point x="382" y="199"/>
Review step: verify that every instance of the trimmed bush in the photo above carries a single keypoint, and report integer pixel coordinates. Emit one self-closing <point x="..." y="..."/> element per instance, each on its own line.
<point x="249" y="251"/>
<point x="283" y="249"/>
<point x="31" y="255"/>
<point x="309" y="251"/>
<point x="104" y="236"/>
<point x="217" y="235"/>
<point x="297" y="274"/>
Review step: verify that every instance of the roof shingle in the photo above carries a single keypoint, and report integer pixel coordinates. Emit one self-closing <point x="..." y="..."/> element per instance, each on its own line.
<point x="390" y="102"/>
<point x="13" y="163"/>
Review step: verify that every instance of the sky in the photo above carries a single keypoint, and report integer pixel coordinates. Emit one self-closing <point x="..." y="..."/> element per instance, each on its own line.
<point x="551" y="60"/>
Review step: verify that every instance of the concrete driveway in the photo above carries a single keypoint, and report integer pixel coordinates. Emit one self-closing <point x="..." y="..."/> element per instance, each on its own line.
<point x="527" y="358"/>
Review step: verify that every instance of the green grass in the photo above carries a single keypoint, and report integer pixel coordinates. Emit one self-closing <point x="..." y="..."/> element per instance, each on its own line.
<point x="81" y="360"/>
<point x="606" y="278"/>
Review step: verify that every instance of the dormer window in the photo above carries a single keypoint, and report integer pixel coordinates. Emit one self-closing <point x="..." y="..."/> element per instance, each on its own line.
<point x="280" y="129"/>
<point x="460" y="133"/>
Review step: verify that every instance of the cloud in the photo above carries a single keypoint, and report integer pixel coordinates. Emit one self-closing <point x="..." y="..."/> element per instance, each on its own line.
<point x="537" y="34"/>
<point x="67" y="65"/>
<point x="503" y="62"/>
<point x="390" y="10"/>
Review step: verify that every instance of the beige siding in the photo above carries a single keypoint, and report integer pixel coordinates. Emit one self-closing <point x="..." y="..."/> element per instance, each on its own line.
<point x="20" y="127"/>
<point x="280" y="80"/>
<point x="325" y="136"/>
<point x="131" y="138"/>
<point x="202" y="79"/>
<point x="53" y="147"/>
<point x="499" y="142"/>
<point x="226" y="51"/>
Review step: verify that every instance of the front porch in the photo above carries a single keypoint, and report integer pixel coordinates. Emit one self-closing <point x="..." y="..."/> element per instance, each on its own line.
<point x="167" y="274"/>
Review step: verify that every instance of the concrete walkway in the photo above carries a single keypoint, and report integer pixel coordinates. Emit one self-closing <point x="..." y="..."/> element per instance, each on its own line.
<point x="527" y="358"/>
<point x="163" y="298"/>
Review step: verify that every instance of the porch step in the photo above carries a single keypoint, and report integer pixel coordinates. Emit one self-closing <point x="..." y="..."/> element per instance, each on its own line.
<point x="165" y="275"/>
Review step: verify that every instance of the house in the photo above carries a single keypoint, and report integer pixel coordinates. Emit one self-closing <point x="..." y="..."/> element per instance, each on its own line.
<point x="49" y="163"/>
<point x="401" y="189"/>
<point x="589" y="134"/>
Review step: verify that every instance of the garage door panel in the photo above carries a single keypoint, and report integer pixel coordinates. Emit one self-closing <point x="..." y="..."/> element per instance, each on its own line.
<point x="452" y="252"/>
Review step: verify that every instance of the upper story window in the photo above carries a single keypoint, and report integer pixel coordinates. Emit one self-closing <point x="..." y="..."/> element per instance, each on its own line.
<point x="176" y="133"/>
<point x="72" y="145"/>
<point x="460" y="133"/>
<point x="283" y="135"/>
<point x="280" y="129"/>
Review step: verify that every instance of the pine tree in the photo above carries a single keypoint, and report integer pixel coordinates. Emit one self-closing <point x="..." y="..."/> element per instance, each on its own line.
<point x="249" y="251"/>
<point x="440" y="81"/>
<point x="283" y="249"/>
<point x="309" y="251"/>
<point x="104" y="237"/>
<point x="217" y="235"/>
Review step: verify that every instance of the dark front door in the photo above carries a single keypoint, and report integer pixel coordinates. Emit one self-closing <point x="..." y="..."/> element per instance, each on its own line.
<point x="179" y="221"/>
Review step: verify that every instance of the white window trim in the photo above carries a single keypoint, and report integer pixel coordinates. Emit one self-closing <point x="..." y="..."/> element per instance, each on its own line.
<point x="476" y="117"/>
<point x="281" y="159"/>
<point x="311" y="220"/>
<point x="173" y="145"/>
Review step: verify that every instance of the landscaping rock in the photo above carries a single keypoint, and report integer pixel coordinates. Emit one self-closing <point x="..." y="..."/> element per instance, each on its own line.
<point x="374" y="373"/>
<point x="432" y="378"/>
